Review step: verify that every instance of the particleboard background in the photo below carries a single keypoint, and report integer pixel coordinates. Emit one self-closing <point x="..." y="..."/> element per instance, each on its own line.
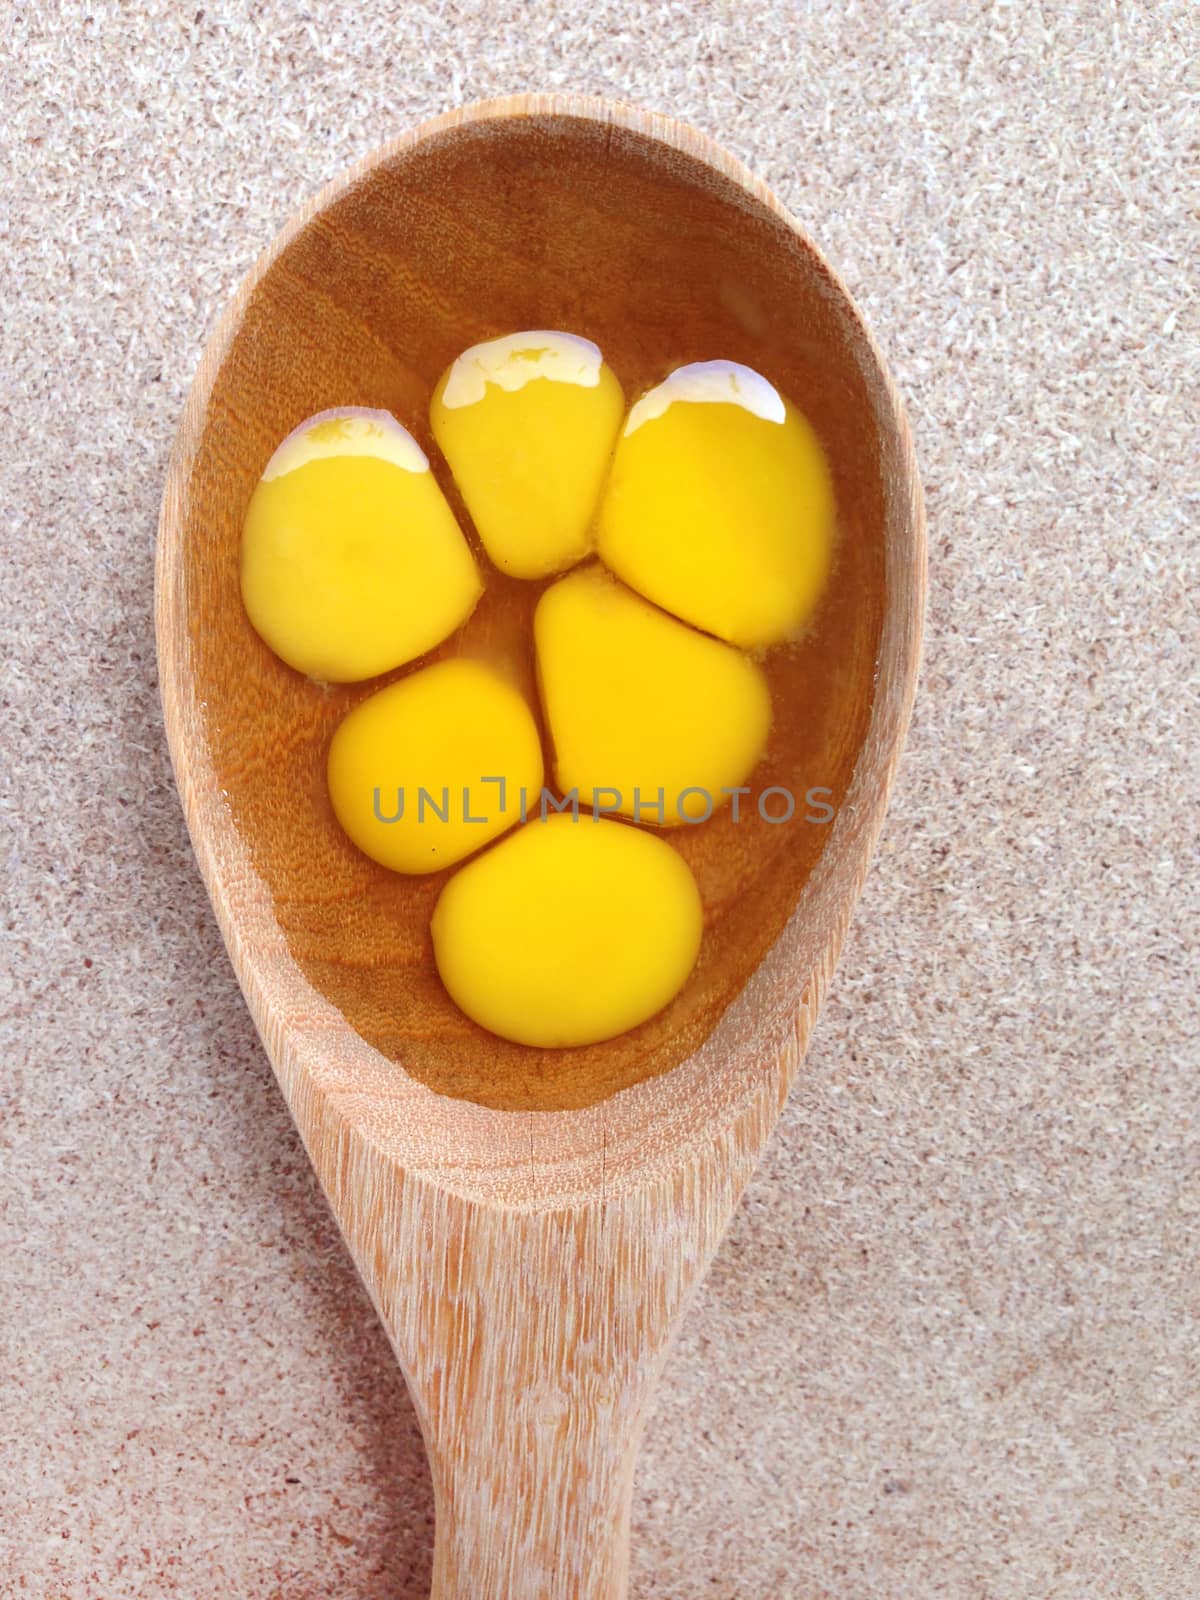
<point x="952" y="1346"/>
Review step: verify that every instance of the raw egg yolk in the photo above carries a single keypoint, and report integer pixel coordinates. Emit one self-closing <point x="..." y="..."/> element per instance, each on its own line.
<point x="431" y="768"/>
<point x="719" y="506"/>
<point x="648" y="717"/>
<point x="352" y="562"/>
<point x="569" y="932"/>
<point x="527" y="424"/>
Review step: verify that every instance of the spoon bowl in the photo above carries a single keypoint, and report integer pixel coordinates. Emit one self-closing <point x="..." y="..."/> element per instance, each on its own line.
<point x="531" y="1223"/>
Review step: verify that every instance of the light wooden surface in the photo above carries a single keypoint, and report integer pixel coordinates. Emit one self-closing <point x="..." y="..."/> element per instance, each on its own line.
<point x="530" y="1265"/>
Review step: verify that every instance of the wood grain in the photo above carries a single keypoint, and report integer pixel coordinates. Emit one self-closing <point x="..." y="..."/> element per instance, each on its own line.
<point x="531" y="1224"/>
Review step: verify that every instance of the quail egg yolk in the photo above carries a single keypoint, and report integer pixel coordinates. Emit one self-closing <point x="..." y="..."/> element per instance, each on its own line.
<point x="527" y="424"/>
<point x="431" y="768"/>
<point x="647" y="717"/>
<point x="352" y="562"/>
<point x="719" y="505"/>
<point x="568" y="932"/>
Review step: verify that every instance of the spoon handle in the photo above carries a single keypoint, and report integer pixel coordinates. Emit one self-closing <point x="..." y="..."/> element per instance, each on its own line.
<point x="531" y="1342"/>
<point x="533" y="1355"/>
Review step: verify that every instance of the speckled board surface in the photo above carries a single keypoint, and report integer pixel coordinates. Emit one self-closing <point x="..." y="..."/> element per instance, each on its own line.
<point x="952" y="1344"/>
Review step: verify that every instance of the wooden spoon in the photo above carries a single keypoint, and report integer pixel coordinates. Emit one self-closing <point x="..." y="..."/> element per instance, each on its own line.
<point x="531" y="1225"/>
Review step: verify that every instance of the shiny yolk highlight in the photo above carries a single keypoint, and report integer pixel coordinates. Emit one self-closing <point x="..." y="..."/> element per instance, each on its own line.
<point x="352" y="562"/>
<point x="527" y="424"/>
<point x="719" y="505"/>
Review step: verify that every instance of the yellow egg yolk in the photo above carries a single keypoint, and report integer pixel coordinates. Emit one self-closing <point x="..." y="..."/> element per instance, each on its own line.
<point x="352" y="562"/>
<point x="719" y="505"/>
<point x="431" y="768"/>
<point x="648" y="718"/>
<point x="569" y="932"/>
<point x="710" y="505"/>
<point x="527" y="424"/>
